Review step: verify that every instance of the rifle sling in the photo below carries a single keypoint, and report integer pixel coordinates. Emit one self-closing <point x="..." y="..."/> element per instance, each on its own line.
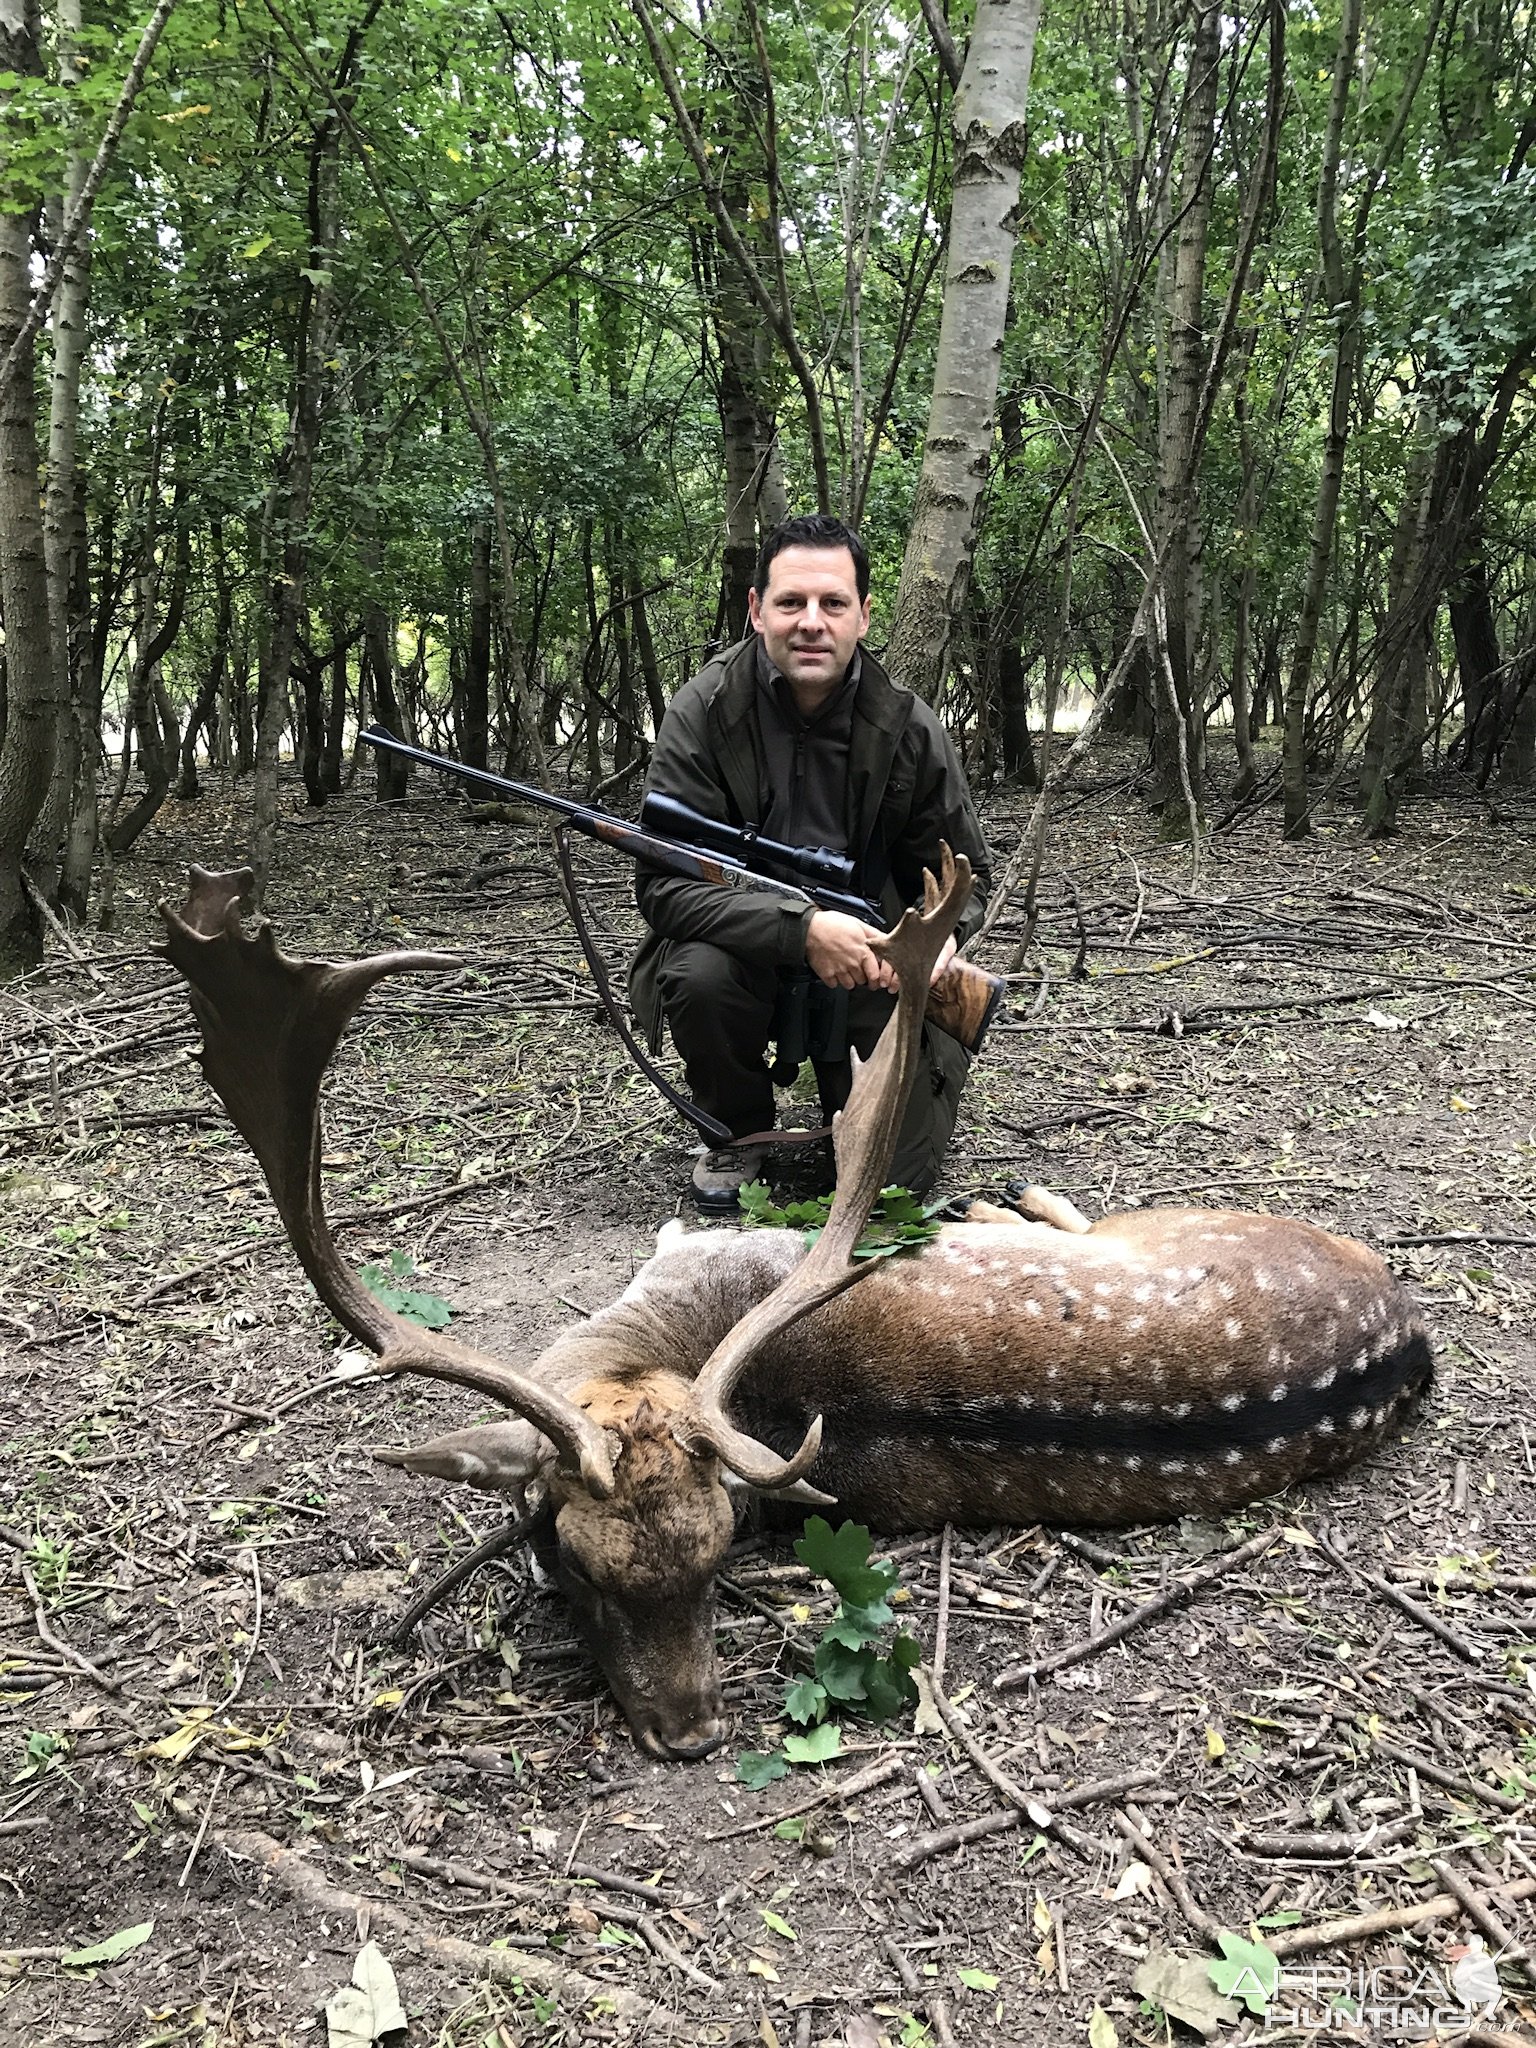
<point x="708" y="1127"/>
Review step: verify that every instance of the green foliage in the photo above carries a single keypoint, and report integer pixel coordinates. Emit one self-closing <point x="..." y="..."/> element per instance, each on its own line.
<point x="1471" y="259"/>
<point x="818" y="1746"/>
<point x="42" y="1751"/>
<point x="757" y="1769"/>
<point x="1247" y="1970"/>
<point x="430" y="1311"/>
<point x="852" y="1670"/>
<point x="50" y="1562"/>
<point x="112" y="1949"/>
<point x="898" y="1222"/>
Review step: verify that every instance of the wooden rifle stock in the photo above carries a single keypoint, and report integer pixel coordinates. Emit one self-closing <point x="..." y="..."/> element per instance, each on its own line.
<point x="963" y="1002"/>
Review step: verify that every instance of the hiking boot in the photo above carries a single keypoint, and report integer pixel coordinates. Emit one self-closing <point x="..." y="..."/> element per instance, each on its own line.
<point x="719" y="1177"/>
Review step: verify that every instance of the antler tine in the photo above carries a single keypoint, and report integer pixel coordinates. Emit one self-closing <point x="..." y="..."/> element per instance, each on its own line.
<point x="864" y="1140"/>
<point x="270" y="1025"/>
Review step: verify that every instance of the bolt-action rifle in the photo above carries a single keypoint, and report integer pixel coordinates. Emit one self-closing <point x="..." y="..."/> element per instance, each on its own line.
<point x="681" y="841"/>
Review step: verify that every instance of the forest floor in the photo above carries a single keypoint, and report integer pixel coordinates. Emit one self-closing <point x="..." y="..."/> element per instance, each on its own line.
<point x="209" y="1752"/>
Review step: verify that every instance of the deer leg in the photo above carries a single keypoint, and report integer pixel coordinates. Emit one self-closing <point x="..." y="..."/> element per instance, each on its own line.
<point x="1045" y="1207"/>
<point x="989" y="1212"/>
<point x="497" y="1544"/>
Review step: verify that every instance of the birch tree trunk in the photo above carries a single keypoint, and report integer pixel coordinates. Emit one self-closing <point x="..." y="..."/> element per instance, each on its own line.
<point x="69" y="622"/>
<point x="1179" y="524"/>
<point x="311" y="354"/>
<point x="31" y="720"/>
<point x="1331" y="476"/>
<point x="988" y="119"/>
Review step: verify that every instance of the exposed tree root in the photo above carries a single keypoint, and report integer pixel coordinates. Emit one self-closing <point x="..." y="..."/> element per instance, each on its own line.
<point x="299" y="1877"/>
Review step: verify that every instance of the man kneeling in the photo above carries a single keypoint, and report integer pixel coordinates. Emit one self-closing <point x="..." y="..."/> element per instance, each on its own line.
<point x="798" y="731"/>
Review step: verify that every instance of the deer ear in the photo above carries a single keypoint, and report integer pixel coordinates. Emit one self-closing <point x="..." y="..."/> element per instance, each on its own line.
<point x="498" y="1457"/>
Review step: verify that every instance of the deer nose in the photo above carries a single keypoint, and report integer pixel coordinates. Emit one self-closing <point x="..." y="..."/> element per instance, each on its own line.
<point x="686" y="1743"/>
<point x="702" y="1739"/>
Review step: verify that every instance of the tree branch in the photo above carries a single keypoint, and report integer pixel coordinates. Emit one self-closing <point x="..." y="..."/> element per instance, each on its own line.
<point x="80" y="212"/>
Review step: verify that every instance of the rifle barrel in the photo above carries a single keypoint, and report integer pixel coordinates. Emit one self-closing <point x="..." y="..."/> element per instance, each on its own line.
<point x="524" y="792"/>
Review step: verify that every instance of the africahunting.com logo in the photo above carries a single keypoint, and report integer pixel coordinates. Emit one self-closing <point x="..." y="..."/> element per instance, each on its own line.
<point x="1406" y="2001"/>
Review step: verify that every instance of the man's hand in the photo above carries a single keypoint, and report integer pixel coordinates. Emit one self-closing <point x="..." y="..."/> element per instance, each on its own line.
<point x="838" y="952"/>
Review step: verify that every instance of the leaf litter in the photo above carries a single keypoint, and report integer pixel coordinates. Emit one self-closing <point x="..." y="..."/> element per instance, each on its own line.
<point x="179" y="1455"/>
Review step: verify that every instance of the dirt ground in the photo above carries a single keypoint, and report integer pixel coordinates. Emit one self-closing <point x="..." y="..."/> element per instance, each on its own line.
<point x="203" y="1727"/>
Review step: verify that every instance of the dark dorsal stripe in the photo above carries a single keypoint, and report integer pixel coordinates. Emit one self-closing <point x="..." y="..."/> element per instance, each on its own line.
<point x="1015" y="1423"/>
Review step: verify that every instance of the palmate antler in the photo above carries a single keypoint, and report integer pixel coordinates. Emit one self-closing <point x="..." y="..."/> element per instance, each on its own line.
<point x="864" y="1138"/>
<point x="270" y="1026"/>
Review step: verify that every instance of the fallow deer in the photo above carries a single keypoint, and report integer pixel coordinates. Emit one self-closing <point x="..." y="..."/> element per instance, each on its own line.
<point x="1149" y="1365"/>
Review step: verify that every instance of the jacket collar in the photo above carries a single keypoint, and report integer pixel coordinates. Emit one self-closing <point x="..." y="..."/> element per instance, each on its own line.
<point x="881" y="714"/>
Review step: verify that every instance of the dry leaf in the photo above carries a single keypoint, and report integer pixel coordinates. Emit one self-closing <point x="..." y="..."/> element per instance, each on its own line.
<point x="1182" y="1986"/>
<point x="368" y="2007"/>
<point x="926" y="1719"/>
<point x="1135" y="1882"/>
<point x="1102" y="2032"/>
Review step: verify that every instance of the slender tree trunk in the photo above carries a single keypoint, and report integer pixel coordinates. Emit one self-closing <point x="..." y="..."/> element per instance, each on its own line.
<point x="477" y="658"/>
<point x="242" y="714"/>
<point x="1478" y="661"/>
<point x="149" y="713"/>
<point x="1330" y="480"/>
<point x="1179" y="526"/>
<point x="296" y="481"/>
<point x="85" y="817"/>
<point x="64" y="523"/>
<point x="336" y="717"/>
<point x="1400" y="645"/>
<point x="31" y="679"/>
<point x="1517" y="762"/>
<point x="650" y="668"/>
<point x="209" y="714"/>
<point x="309" y="717"/>
<point x="592" y="664"/>
<point x="988" y="116"/>
<point x="391" y="773"/>
<point x="1343" y="288"/>
<point x="1247" y="580"/>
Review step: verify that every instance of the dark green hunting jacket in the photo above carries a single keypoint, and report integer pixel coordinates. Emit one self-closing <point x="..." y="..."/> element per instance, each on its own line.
<point x="906" y="792"/>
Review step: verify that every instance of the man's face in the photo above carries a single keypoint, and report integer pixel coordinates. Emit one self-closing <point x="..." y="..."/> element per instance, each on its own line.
<point x="811" y="617"/>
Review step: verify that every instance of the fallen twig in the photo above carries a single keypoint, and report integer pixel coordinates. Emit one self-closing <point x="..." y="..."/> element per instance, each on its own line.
<point x="202" y="1833"/>
<point x="1171" y="1596"/>
<point x="504" y="1965"/>
<point x="57" y="1643"/>
<point x="1182" y="1896"/>
<point x="501" y="1540"/>
<point x="1297" y="1941"/>
<point x="1438" y="1775"/>
<point x="941" y="1627"/>
<point x="655" y="1940"/>
<point x="862" y="1781"/>
<point x="240" y="1675"/>
<point x="1488" y="1923"/>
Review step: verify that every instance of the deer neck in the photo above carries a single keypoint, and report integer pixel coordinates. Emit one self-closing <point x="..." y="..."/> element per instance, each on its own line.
<point x="675" y="1311"/>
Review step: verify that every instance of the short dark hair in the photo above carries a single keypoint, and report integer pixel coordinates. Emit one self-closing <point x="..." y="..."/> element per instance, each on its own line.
<point x="812" y="530"/>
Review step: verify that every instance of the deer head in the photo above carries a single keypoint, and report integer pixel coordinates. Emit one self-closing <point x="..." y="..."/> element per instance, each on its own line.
<point x="636" y="1473"/>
